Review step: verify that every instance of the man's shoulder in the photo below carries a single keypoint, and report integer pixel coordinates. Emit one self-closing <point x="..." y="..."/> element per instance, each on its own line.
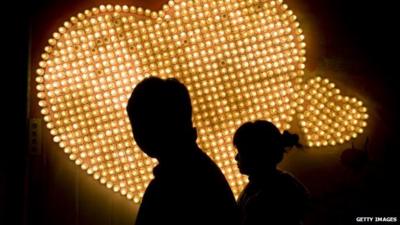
<point x="206" y="167"/>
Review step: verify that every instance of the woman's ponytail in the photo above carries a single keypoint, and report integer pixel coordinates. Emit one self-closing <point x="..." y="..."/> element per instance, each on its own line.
<point x="290" y="140"/>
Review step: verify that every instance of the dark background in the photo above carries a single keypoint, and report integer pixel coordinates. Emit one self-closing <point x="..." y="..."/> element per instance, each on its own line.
<point x="361" y="34"/>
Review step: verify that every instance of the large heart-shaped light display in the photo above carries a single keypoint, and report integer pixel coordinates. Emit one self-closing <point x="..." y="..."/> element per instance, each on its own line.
<point x="241" y="60"/>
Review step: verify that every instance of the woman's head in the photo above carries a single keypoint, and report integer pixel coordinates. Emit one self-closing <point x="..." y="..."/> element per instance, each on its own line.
<point x="261" y="146"/>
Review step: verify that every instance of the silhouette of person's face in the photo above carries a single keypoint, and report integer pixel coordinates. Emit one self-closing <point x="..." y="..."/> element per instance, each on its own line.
<point x="243" y="164"/>
<point x="151" y="135"/>
<point x="256" y="157"/>
<point x="160" y="114"/>
<point x="159" y="136"/>
<point x="258" y="147"/>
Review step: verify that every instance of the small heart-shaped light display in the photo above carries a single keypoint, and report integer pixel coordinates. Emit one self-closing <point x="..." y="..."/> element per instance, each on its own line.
<point x="241" y="60"/>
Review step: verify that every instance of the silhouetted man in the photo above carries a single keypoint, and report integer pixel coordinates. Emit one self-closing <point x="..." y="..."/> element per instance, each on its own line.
<point x="188" y="187"/>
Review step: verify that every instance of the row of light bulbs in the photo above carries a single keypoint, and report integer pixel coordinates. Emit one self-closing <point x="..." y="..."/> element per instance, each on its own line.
<point x="329" y="118"/>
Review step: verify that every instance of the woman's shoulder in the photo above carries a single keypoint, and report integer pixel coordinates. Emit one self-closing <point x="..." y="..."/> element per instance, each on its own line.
<point x="292" y="185"/>
<point x="281" y="183"/>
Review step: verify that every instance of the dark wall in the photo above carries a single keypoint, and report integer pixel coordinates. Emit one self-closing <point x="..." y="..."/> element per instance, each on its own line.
<point x="357" y="43"/>
<point x="14" y="50"/>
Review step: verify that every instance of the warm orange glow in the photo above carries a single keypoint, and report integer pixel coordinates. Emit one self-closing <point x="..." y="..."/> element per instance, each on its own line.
<point x="241" y="60"/>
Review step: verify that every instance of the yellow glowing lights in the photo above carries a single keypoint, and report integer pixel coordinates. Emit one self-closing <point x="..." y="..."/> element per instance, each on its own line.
<point x="241" y="60"/>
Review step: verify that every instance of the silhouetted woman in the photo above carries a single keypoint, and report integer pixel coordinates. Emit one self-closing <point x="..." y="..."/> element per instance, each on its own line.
<point x="272" y="196"/>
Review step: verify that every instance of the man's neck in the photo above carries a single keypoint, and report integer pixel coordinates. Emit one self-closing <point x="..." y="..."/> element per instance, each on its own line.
<point x="182" y="152"/>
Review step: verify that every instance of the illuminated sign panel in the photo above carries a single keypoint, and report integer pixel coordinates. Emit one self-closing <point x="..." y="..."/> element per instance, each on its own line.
<point x="241" y="60"/>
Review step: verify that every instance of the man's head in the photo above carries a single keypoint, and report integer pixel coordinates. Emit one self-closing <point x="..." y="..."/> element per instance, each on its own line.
<point x="160" y="113"/>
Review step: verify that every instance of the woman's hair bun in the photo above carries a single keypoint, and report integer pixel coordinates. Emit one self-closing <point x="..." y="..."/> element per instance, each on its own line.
<point x="290" y="140"/>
